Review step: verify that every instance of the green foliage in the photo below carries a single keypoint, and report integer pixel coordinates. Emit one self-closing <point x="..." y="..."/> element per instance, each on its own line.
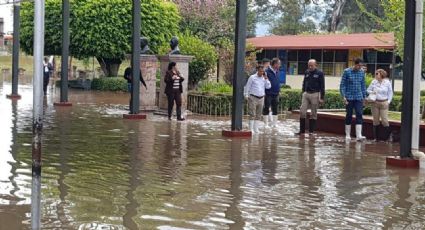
<point x="205" y="57"/>
<point x="215" y="88"/>
<point x="109" y="84"/>
<point x="100" y="28"/>
<point x="369" y="78"/>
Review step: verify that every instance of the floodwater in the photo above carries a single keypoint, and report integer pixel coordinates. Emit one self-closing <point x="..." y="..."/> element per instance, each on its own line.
<point x="103" y="172"/>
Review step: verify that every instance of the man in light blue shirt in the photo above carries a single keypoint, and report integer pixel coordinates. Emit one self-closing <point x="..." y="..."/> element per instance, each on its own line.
<point x="254" y="93"/>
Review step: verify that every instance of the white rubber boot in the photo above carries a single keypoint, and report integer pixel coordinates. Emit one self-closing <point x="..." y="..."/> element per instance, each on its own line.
<point x="359" y="135"/>
<point x="256" y="123"/>
<point x="266" y="121"/>
<point x="347" y="132"/>
<point x="274" y="121"/>
<point x="251" y="126"/>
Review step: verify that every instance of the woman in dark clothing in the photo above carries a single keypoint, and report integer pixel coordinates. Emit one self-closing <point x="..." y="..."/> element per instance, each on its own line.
<point x="174" y="90"/>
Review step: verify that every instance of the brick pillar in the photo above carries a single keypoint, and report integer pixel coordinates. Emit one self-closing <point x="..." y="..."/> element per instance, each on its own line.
<point x="149" y="67"/>
<point x="182" y="62"/>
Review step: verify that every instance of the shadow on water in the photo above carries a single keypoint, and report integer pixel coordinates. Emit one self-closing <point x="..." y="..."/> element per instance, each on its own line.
<point x="103" y="172"/>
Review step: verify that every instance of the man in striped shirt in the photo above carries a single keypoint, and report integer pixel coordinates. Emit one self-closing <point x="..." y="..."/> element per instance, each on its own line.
<point x="353" y="90"/>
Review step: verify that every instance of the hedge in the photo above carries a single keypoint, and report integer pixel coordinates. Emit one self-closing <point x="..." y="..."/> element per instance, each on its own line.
<point x="290" y="99"/>
<point x="109" y="84"/>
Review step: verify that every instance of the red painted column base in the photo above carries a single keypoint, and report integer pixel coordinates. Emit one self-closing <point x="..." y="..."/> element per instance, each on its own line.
<point x="13" y="96"/>
<point x="402" y="163"/>
<point x="230" y="133"/>
<point x="134" y="116"/>
<point x="62" y="104"/>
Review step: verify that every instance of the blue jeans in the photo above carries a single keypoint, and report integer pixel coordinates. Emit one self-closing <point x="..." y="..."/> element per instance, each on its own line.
<point x="357" y="105"/>
<point x="129" y="87"/>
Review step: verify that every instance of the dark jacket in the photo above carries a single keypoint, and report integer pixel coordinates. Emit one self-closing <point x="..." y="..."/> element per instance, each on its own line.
<point x="169" y="82"/>
<point x="314" y="81"/>
<point x="127" y="76"/>
<point x="274" y="80"/>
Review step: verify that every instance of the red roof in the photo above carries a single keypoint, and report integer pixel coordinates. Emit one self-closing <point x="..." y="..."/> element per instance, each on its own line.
<point x="328" y="41"/>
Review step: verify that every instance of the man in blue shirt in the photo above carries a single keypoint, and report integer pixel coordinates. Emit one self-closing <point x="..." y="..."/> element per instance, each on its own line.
<point x="272" y="94"/>
<point x="353" y="90"/>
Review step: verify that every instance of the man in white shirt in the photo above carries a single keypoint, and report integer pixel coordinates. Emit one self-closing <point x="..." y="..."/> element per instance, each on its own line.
<point x="254" y="93"/>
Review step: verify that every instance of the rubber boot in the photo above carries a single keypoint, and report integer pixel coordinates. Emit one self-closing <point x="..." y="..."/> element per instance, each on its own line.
<point x="256" y="124"/>
<point x="302" y="127"/>
<point x="312" y="126"/>
<point x="359" y="135"/>
<point x="375" y="133"/>
<point x="251" y="126"/>
<point x="347" y="132"/>
<point x="266" y="121"/>
<point x="387" y="133"/>
<point x="179" y="114"/>
<point x="274" y="121"/>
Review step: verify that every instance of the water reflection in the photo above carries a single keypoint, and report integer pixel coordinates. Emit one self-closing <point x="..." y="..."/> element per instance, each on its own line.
<point x="103" y="172"/>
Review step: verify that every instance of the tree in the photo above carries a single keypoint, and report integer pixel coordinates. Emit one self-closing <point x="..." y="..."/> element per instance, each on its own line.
<point x="101" y="28"/>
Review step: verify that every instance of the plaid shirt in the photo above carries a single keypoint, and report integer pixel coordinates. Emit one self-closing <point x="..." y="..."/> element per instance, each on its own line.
<point x="353" y="86"/>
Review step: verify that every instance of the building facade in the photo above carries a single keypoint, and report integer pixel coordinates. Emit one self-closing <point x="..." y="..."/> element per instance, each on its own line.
<point x="333" y="52"/>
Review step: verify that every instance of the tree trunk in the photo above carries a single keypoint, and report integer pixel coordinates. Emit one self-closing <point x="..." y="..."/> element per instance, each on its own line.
<point x="336" y="15"/>
<point x="109" y="66"/>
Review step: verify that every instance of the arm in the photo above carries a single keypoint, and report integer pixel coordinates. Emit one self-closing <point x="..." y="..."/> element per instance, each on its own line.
<point x="363" y="85"/>
<point x="322" y="86"/>
<point x="248" y="87"/>
<point x="342" y="85"/>
<point x="142" y="80"/>
<point x="303" y="86"/>
<point x="127" y="74"/>
<point x="370" y="88"/>
<point x="168" y="78"/>
<point x="267" y="83"/>
<point x="390" y="92"/>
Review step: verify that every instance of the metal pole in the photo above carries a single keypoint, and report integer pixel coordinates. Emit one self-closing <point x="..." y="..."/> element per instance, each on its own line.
<point x="408" y="76"/>
<point x="65" y="51"/>
<point x="393" y="71"/>
<point x="135" y="58"/>
<point x="36" y="202"/>
<point x="239" y="65"/>
<point x="38" y="85"/>
<point x="15" y="57"/>
<point x="416" y="119"/>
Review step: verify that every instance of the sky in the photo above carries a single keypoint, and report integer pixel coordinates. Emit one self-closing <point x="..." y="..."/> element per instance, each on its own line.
<point x="6" y="14"/>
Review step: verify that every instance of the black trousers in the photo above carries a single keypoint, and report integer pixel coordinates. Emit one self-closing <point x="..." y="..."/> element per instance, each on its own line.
<point x="176" y="96"/>
<point x="46" y="78"/>
<point x="271" y="101"/>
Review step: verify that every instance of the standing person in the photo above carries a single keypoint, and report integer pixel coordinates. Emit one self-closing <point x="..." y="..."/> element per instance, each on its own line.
<point x="254" y="93"/>
<point x="128" y="76"/>
<point x="173" y="90"/>
<point x="353" y="91"/>
<point x="382" y="89"/>
<point x="313" y="94"/>
<point x="47" y="69"/>
<point x="272" y="94"/>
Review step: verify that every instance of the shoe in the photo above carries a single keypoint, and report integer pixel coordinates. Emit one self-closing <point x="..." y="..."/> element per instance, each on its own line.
<point x="312" y="126"/>
<point x="274" y="121"/>
<point x="388" y="135"/>
<point x="347" y="132"/>
<point x="266" y="121"/>
<point x="181" y="119"/>
<point x="169" y="118"/>
<point x="359" y="136"/>
<point x="302" y="127"/>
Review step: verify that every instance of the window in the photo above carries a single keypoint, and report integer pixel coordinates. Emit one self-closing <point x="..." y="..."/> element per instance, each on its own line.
<point x="304" y="55"/>
<point x="369" y="56"/>
<point x="341" y="56"/>
<point x="270" y="54"/>
<point x="316" y="54"/>
<point x="385" y="57"/>
<point x="292" y="55"/>
<point x="328" y="55"/>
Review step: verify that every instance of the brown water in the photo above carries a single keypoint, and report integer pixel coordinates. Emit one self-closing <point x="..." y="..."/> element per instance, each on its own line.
<point x="103" y="172"/>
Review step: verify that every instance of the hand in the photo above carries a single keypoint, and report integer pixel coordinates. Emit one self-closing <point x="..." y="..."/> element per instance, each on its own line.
<point x="265" y="77"/>
<point x="321" y="101"/>
<point x="345" y="101"/>
<point x="246" y="98"/>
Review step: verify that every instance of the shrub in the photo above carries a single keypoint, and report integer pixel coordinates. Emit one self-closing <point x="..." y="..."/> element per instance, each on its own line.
<point x="109" y="84"/>
<point x="205" y="57"/>
<point x="214" y="88"/>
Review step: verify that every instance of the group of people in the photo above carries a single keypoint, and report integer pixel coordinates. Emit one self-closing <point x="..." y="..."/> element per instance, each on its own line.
<point x="263" y="87"/>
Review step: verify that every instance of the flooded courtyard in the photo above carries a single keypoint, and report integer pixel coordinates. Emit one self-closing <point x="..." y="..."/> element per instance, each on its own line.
<point x="103" y="172"/>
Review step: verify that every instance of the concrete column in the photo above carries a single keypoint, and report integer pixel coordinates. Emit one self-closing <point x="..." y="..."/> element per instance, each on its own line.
<point x="149" y="67"/>
<point x="182" y="62"/>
